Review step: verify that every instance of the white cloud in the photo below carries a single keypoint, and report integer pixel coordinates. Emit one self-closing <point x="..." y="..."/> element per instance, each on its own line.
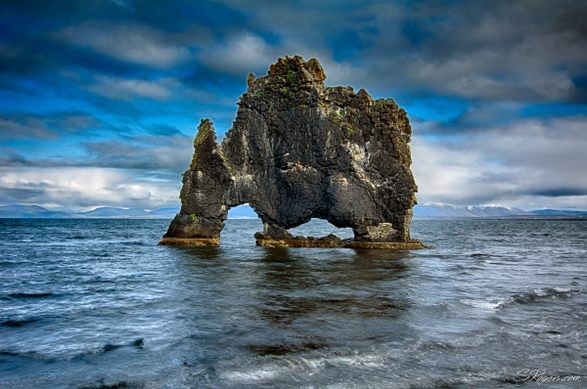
<point x="130" y="43"/>
<point x="529" y="163"/>
<point x="481" y="75"/>
<point x="126" y="89"/>
<point x="240" y="54"/>
<point x="247" y="52"/>
<point x="337" y="73"/>
<point x="76" y="187"/>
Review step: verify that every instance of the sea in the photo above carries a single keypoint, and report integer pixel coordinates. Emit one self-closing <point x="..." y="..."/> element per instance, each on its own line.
<point x="99" y="304"/>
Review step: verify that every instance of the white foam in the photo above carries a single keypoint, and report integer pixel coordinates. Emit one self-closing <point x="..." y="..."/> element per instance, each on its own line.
<point x="253" y="375"/>
<point x="488" y="305"/>
<point x="305" y="366"/>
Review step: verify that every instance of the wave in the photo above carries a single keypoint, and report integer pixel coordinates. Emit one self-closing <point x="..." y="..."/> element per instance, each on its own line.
<point x="488" y="305"/>
<point x="135" y="243"/>
<point x="283" y="349"/>
<point x="534" y="296"/>
<point x="30" y="295"/>
<point x="482" y="255"/>
<point x="26" y="354"/>
<point x="109" y="347"/>
<point x="138" y="343"/>
<point x="543" y="294"/>
<point x="17" y="323"/>
<point x="117" y="385"/>
<point x="290" y="367"/>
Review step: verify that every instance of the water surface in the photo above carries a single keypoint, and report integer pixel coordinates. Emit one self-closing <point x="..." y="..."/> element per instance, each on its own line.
<point x="93" y="303"/>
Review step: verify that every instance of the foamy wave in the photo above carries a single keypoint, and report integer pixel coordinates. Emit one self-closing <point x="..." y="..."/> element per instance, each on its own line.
<point x="536" y="295"/>
<point x="303" y="366"/>
<point x="488" y="305"/>
<point x="543" y="294"/>
<point x="254" y="375"/>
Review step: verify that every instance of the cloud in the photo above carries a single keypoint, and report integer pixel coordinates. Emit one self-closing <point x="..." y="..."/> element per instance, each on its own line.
<point x="541" y="161"/>
<point x="44" y="127"/>
<point x="25" y="128"/>
<point x="240" y="53"/>
<point x="82" y="187"/>
<point x="158" y="150"/>
<point x="245" y="52"/>
<point x="504" y="51"/>
<point x="163" y="130"/>
<point x="137" y="44"/>
<point x="521" y="51"/>
<point x="155" y="154"/>
<point x="127" y="89"/>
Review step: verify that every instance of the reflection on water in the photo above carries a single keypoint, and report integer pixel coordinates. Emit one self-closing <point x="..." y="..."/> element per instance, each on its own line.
<point x="199" y="253"/>
<point x="279" y="301"/>
<point x="294" y="285"/>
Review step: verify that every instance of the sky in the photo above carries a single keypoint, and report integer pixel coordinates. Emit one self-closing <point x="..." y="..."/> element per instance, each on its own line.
<point x="99" y="100"/>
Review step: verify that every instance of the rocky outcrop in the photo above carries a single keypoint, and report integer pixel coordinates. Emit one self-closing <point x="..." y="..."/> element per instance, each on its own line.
<point x="300" y="150"/>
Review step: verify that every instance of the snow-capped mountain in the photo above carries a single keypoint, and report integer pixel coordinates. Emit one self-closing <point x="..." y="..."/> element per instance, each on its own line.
<point x="433" y="210"/>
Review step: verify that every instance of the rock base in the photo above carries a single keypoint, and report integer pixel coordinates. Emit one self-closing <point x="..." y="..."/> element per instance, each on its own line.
<point x="333" y="241"/>
<point x="330" y="241"/>
<point x="298" y="241"/>
<point x="196" y="242"/>
<point x="408" y="245"/>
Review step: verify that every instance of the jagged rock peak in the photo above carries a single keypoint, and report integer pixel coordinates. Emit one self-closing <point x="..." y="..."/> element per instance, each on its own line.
<point x="299" y="150"/>
<point x="310" y="71"/>
<point x="292" y="71"/>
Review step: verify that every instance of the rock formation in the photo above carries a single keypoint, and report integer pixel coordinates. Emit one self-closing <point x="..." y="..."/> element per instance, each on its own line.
<point x="300" y="150"/>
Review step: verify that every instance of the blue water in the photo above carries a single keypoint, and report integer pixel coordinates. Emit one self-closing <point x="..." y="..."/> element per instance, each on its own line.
<point x="96" y="303"/>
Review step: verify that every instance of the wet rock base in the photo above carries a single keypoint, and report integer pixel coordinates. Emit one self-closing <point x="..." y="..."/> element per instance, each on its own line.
<point x="195" y="242"/>
<point x="333" y="241"/>
<point x="329" y="241"/>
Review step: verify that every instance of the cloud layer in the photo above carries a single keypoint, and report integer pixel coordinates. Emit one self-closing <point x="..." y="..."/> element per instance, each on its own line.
<point x="99" y="100"/>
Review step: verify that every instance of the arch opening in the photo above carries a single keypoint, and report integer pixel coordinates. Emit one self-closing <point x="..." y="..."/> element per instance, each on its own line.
<point x="241" y="224"/>
<point x="321" y="227"/>
<point x="244" y="221"/>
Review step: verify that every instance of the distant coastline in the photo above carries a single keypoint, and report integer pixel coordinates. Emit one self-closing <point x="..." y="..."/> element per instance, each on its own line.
<point x="421" y="212"/>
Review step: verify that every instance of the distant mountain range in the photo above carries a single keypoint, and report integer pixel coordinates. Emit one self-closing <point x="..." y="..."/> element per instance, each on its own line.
<point x="29" y="211"/>
<point x="421" y="211"/>
<point x="36" y="211"/>
<point x="439" y="210"/>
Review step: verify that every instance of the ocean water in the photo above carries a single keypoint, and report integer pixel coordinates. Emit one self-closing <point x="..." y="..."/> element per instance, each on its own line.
<point x="98" y="304"/>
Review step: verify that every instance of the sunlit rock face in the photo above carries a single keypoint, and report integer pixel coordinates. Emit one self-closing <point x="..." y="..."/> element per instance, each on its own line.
<point x="299" y="150"/>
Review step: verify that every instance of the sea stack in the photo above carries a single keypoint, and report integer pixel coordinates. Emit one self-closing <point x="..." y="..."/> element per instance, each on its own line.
<point x="299" y="150"/>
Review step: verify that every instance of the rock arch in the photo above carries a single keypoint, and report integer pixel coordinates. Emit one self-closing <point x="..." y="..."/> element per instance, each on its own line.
<point x="300" y="150"/>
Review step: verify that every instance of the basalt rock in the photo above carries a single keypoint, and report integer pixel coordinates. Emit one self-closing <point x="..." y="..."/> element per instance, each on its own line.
<point x="300" y="150"/>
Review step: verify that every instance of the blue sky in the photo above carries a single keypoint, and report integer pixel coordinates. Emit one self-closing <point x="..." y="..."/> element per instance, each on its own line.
<point x="99" y="100"/>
